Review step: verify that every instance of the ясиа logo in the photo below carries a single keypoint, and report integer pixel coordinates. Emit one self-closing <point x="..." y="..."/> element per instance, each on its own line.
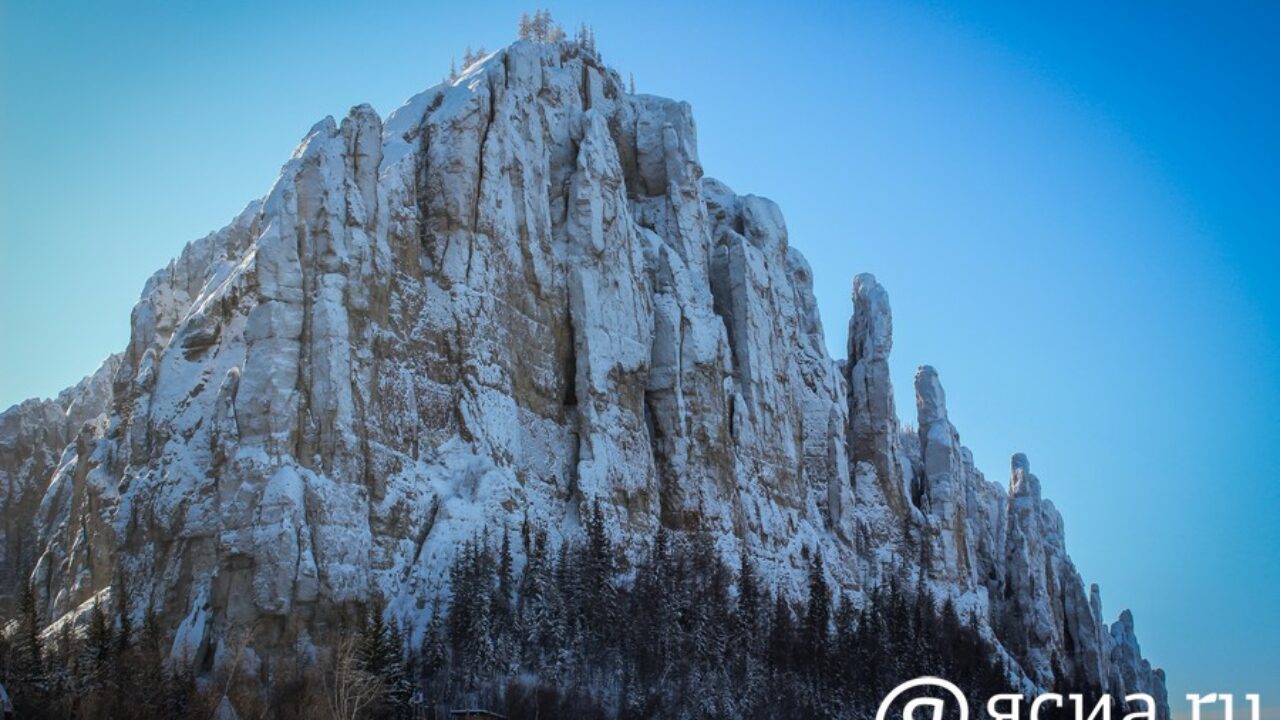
<point x="1009" y="706"/>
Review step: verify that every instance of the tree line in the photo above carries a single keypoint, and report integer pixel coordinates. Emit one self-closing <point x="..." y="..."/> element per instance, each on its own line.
<point x="681" y="634"/>
<point x="108" y="669"/>
<point x="538" y="28"/>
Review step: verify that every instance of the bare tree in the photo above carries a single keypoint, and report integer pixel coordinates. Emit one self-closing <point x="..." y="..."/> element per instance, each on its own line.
<point x="350" y="691"/>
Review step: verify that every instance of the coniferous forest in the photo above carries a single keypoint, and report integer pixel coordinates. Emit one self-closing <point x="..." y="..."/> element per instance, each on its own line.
<point x="682" y="634"/>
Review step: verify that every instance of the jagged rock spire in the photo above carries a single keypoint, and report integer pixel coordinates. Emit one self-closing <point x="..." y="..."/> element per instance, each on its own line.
<point x="941" y="491"/>
<point x="873" y="420"/>
<point x="1021" y="482"/>
<point x="1050" y="623"/>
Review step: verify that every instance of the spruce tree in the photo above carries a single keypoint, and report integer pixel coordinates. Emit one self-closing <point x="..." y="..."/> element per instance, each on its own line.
<point x="471" y="614"/>
<point x="28" y="648"/>
<point x="845" y="651"/>
<point x="373" y="649"/>
<point x="396" y="679"/>
<point x="505" y="577"/>
<point x="599" y="601"/>
<point x="817" y="619"/>
<point x="101" y="642"/>
<point x="150" y="672"/>
<point x="433" y="656"/>
<point x="540" y="25"/>
<point x="123" y="620"/>
<point x="781" y="634"/>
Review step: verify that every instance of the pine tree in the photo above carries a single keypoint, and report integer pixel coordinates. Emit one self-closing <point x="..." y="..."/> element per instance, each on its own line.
<point x="541" y="28"/>
<point x="817" y="620"/>
<point x="471" y="614"/>
<point x="62" y="684"/>
<point x="505" y="577"/>
<point x="586" y="39"/>
<point x="537" y="604"/>
<point x="506" y="647"/>
<point x="749" y="607"/>
<point x="650" y="624"/>
<point x="28" y="648"/>
<point x="541" y="23"/>
<point x="922" y="652"/>
<point x="433" y="657"/>
<point x="710" y="618"/>
<point x="124" y="623"/>
<point x="747" y="642"/>
<point x="100" y="646"/>
<point x="600" y="594"/>
<point x="374" y="650"/>
<point x="567" y="632"/>
<point x="396" y="678"/>
<point x="845" y="651"/>
<point x="150" y="673"/>
<point x="781" y="634"/>
<point x="899" y="634"/>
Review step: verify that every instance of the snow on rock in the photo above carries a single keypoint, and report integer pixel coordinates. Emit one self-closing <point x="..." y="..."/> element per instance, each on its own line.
<point x="516" y="297"/>
<point x="34" y="440"/>
<point x="1131" y="673"/>
<point x="873" y="426"/>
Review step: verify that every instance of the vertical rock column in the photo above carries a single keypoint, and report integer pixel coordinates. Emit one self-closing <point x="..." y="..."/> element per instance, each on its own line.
<point x="1029" y="625"/>
<point x="1046" y="618"/>
<point x="873" y="421"/>
<point x="943" y="489"/>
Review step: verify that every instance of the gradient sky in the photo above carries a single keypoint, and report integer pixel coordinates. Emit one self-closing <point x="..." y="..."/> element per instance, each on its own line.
<point x="1075" y="208"/>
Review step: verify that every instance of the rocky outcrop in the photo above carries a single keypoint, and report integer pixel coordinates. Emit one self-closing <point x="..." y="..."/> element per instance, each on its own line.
<point x="873" y="428"/>
<point x="1130" y="672"/>
<point x="33" y="438"/>
<point x="514" y="298"/>
<point x="1047" y="617"/>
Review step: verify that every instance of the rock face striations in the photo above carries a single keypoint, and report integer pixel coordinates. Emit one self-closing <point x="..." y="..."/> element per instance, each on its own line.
<point x="515" y="297"/>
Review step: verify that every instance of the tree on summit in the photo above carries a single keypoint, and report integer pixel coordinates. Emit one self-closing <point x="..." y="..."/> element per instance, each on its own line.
<point x="540" y="28"/>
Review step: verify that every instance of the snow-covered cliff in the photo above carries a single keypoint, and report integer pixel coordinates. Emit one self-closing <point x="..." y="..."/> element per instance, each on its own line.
<point x="515" y="297"/>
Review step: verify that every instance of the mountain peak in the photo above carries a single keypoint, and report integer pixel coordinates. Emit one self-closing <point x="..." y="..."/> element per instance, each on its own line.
<point x="515" y="303"/>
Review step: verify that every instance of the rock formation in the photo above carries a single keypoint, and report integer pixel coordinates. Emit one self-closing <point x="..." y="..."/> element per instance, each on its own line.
<point x="515" y="297"/>
<point x="37" y="438"/>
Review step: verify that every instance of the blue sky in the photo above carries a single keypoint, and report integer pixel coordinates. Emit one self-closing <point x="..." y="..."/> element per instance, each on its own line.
<point x="1073" y="206"/>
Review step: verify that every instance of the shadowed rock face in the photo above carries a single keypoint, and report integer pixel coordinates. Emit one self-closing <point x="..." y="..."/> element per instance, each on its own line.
<point x="516" y="296"/>
<point x="37" y="439"/>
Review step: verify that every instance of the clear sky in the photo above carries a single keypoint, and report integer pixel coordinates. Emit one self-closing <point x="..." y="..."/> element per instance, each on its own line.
<point x="1074" y="206"/>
